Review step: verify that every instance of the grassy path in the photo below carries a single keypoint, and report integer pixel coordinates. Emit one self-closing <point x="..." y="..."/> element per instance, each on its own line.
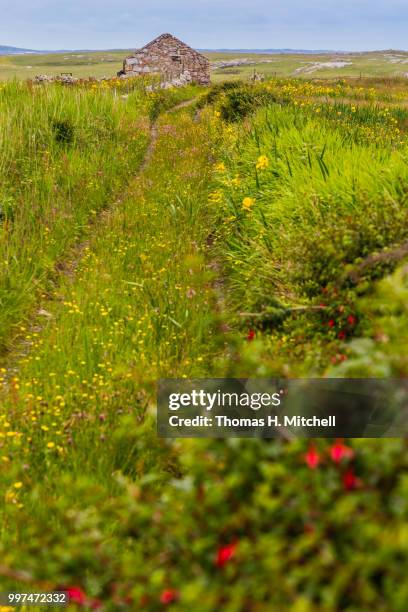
<point x="66" y="267"/>
<point x="138" y="307"/>
<point x="65" y="156"/>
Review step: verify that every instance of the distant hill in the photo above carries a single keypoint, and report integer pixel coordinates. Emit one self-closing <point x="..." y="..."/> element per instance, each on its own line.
<point x="4" y="50"/>
<point x="7" y="50"/>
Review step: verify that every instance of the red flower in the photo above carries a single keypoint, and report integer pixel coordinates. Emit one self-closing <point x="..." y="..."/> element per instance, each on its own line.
<point x="350" y="481"/>
<point x="168" y="596"/>
<point x="342" y="335"/>
<point x="225" y="554"/>
<point x="251" y="335"/>
<point x="351" y="320"/>
<point x="312" y="458"/>
<point x="339" y="451"/>
<point x="339" y="357"/>
<point x="332" y="323"/>
<point x="76" y="595"/>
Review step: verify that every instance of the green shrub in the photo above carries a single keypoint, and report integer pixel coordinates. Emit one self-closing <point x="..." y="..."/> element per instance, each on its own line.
<point x="217" y="91"/>
<point x="381" y="351"/>
<point x="7" y="204"/>
<point x="240" y="102"/>
<point x="247" y="525"/>
<point x="64" y="131"/>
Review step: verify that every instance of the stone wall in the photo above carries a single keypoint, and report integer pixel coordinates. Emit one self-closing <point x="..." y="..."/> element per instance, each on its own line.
<point x="174" y="60"/>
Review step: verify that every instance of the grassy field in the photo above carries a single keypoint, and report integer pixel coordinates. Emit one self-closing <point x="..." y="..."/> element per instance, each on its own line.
<point x="374" y="64"/>
<point x="193" y="233"/>
<point x="107" y="64"/>
<point x="86" y="64"/>
<point x="62" y="160"/>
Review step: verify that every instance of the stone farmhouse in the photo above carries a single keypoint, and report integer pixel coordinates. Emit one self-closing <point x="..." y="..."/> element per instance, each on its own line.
<point x="170" y="57"/>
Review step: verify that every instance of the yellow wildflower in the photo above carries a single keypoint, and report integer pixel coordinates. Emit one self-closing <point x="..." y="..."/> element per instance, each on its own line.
<point x="18" y="485"/>
<point x="220" y="167"/>
<point x="10" y="497"/>
<point x="262" y="163"/>
<point x="215" y="197"/>
<point x="248" y="203"/>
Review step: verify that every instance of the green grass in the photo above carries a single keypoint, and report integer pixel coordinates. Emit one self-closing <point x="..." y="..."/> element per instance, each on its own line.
<point x="84" y="65"/>
<point x="325" y="188"/>
<point x="63" y="156"/>
<point x="137" y="309"/>
<point x="108" y="63"/>
<point x="92" y="498"/>
<point x="371" y="64"/>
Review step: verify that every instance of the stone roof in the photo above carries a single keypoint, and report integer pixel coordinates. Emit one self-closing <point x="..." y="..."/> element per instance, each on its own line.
<point x="170" y="57"/>
<point x="169" y="38"/>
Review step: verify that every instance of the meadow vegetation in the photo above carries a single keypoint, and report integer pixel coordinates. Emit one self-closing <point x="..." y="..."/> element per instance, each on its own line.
<point x="242" y="246"/>
<point x="65" y="154"/>
<point x="106" y="64"/>
<point x="309" y="189"/>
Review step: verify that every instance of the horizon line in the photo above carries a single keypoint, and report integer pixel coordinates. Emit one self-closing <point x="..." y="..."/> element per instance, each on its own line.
<point x="208" y="49"/>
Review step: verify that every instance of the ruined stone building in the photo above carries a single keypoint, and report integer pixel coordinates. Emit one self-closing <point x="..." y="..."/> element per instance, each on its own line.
<point x="170" y="57"/>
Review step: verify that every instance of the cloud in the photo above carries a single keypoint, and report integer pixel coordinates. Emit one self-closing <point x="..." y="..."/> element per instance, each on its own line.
<point x="350" y="24"/>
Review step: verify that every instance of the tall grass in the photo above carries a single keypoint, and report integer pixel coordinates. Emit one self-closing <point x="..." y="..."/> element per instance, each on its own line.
<point x="329" y="192"/>
<point x="140" y="307"/>
<point x="93" y="500"/>
<point x="64" y="152"/>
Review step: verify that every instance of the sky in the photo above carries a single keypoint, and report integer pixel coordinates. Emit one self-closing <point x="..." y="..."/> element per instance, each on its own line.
<point x="352" y="25"/>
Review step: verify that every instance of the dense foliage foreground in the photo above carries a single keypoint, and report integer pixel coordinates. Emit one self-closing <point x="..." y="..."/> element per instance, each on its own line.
<point x="262" y="233"/>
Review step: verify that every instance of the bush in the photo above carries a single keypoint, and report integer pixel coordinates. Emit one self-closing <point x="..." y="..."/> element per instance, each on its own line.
<point x="217" y="91"/>
<point x="7" y="204"/>
<point x="247" y="525"/>
<point x="64" y="131"/>
<point x="241" y="102"/>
